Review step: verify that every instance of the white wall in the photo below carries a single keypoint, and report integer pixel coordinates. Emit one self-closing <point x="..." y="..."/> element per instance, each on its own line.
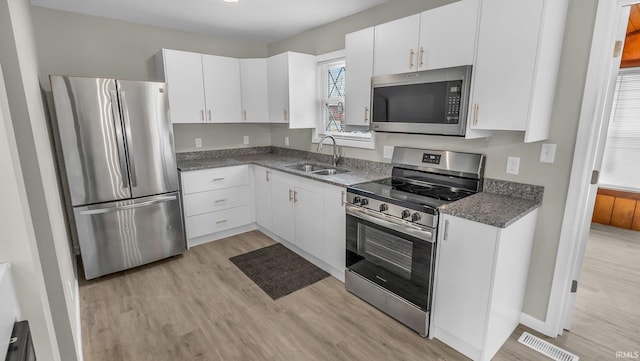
<point x="84" y="45"/>
<point x="554" y="177"/>
<point x="17" y="240"/>
<point x="35" y="174"/>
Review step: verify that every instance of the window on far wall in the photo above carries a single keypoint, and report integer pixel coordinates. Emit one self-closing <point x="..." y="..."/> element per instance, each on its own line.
<point x="332" y="117"/>
<point x="621" y="161"/>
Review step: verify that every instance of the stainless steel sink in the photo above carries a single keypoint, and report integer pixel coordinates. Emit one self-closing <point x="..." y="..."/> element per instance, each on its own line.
<point x="330" y="171"/>
<point x="317" y="169"/>
<point x="307" y="167"/>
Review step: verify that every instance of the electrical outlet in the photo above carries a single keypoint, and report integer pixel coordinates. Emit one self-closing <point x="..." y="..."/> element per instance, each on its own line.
<point x="246" y="139"/>
<point x="387" y="151"/>
<point x="198" y="142"/>
<point x="548" y="153"/>
<point x="286" y="141"/>
<point x="513" y="165"/>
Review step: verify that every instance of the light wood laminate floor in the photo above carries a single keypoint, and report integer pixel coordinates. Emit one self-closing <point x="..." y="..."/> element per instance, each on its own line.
<point x="199" y="306"/>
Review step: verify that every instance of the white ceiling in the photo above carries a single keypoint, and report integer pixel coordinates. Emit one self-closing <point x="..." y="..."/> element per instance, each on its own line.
<point x="264" y="21"/>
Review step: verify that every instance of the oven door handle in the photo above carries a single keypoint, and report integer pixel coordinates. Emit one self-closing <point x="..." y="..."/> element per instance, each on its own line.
<point x="397" y="225"/>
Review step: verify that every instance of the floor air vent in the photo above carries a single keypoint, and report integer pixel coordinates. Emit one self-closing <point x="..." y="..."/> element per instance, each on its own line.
<point x="546" y="348"/>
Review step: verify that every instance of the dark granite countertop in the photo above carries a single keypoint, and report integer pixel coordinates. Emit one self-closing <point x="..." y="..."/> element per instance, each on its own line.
<point x="500" y="204"/>
<point x="359" y="171"/>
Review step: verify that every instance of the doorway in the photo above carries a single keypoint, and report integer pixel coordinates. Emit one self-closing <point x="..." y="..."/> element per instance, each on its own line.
<point x="576" y="254"/>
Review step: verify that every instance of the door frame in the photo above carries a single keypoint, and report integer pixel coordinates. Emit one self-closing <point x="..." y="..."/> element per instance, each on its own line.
<point x="591" y="136"/>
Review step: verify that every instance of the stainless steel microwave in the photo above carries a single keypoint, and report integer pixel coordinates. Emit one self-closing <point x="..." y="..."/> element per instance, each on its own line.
<point x="427" y="102"/>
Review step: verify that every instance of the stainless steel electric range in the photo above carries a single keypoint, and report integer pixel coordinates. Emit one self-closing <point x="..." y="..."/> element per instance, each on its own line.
<point x="392" y="227"/>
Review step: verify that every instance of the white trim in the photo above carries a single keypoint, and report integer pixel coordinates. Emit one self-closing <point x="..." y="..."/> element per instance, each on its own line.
<point x="369" y="143"/>
<point x="592" y="112"/>
<point x="533" y="323"/>
<point x="331" y="56"/>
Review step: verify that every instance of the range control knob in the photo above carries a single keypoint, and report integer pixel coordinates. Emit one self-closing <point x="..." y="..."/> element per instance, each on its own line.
<point x="416" y="217"/>
<point x="384" y="207"/>
<point x="356" y="200"/>
<point x="364" y="202"/>
<point x="405" y="214"/>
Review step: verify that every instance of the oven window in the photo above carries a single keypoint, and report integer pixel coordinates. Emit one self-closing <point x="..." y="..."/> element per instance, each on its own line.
<point x="385" y="250"/>
<point x="416" y="103"/>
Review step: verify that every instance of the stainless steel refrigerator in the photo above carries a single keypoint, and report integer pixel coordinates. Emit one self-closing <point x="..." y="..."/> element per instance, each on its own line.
<point x="116" y="143"/>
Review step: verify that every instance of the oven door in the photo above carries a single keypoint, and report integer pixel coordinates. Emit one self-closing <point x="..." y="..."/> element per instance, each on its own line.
<point x="396" y="255"/>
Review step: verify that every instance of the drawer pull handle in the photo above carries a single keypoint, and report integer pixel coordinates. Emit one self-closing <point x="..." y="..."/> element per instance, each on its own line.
<point x="290" y="195"/>
<point x="476" y="107"/>
<point x="421" y="56"/>
<point x="342" y="199"/>
<point x="222" y="221"/>
<point x="295" y="196"/>
<point x="209" y="114"/>
<point x="202" y="115"/>
<point x="245" y="115"/>
<point x="218" y="179"/>
<point x="220" y="200"/>
<point x="267" y="175"/>
<point x="366" y="114"/>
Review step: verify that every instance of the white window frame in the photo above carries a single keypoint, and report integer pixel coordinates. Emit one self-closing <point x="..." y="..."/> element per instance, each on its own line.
<point x="366" y="141"/>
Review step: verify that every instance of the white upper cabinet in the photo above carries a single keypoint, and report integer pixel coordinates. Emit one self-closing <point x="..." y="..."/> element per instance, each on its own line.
<point x="396" y="46"/>
<point x="516" y="66"/>
<point x="292" y="89"/>
<point x="437" y="38"/>
<point x="359" y="61"/>
<point x="255" y="103"/>
<point x="183" y="72"/>
<point x="448" y="35"/>
<point x="221" y="77"/>
<point x="278" y="88"/>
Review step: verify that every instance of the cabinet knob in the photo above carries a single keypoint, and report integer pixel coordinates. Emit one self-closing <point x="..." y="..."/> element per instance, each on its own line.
<point x="405" y="214"/>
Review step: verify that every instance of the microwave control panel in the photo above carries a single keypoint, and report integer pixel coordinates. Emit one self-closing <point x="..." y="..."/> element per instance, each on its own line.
<point x="454" y="94"/>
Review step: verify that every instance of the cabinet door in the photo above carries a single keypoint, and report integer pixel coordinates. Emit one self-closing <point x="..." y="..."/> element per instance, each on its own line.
<point x="222" y="89"/>
<point x="255" y="101"/>
<point x="359" y="62"/>
<point x="309" y="227"/>
<point x="396" y="46"/>
<point x="302" y="91"/>
<point x="278" y="85"/>
<point x="463" y="279"/>
<point x="505" y="64"/>
<point x="262" y="184"/>
<point x="183" y="74"/>
<point x="334" y="227"/>
<point x="282" y="207"/>
<point x="445" y="42"/>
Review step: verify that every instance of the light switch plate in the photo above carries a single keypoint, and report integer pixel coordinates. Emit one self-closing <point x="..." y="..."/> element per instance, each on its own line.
<point x="198" y="142"/>
<point x="548" y="153"/>
<point x="246" y="139"/>
<point x="387" y="151"/>
<point x="513" y="165"/>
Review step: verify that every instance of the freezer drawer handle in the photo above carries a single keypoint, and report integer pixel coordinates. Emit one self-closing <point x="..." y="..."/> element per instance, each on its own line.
<point x="125" y="113"/>
<point x="118" y="128"/>
<point x="217" y="179"/>
<point x="129" y="206"/>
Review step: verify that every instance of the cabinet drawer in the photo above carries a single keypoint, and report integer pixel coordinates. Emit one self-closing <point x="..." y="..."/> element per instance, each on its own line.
<point x="217" y="200"/>
<point x="217" y="178"/>
<point x="207" y="223"/>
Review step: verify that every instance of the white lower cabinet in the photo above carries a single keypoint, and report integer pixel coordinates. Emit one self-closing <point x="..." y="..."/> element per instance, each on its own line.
<point x="262" y="190"/>
<point x="216" y="201"/>
<point x="480" y="283"/>
<point x="307" y="214"/>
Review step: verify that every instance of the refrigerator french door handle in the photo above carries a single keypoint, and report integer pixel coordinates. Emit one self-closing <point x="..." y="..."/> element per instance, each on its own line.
<point x="118" y="128"/>
<point x="129" y="206"/>
<point x="127" y="124"/>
